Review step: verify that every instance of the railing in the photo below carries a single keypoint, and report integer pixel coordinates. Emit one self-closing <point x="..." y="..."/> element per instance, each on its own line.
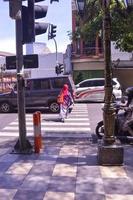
<point x="87" y="52"/>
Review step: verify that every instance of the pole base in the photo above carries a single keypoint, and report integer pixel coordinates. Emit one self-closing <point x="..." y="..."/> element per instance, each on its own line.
<point x="25" y="150"/>
<point x="110" y="155"/>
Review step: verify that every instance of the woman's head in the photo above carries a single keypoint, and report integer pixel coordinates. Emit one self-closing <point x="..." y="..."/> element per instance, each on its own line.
<point x="65" y="87"/>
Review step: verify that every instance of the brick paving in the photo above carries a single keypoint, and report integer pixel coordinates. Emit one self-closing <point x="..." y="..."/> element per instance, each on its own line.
<point x="65" y="169"/>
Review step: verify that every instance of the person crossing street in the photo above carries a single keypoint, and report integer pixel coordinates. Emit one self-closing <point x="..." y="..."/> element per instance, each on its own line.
<point x="65" y="100"/>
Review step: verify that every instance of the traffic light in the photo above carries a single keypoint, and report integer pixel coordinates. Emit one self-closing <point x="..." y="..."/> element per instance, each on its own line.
<point x="52" y="31"/>
<point x="30" y="27"/>
<point x="51" y="1"/>
<point x="61" y="68"/>
<point x="57" y="70"/>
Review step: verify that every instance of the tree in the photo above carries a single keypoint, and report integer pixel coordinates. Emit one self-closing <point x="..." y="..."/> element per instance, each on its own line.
<point x="121" y="23"/>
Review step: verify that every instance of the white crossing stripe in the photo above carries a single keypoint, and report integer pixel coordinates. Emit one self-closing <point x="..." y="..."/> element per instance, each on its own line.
<point x="10" y="128"/>
<point x="77" y="124"/>
<point x="44" y="124"/>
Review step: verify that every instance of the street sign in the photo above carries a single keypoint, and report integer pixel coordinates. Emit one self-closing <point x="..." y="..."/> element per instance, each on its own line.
<point x="30" y="61"/>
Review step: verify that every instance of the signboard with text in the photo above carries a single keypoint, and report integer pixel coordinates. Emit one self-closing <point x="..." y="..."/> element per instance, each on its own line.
<point x="29" y="61"/>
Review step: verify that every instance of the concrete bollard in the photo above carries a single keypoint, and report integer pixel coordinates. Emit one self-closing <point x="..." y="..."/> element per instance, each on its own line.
<point x="37" y="131"/>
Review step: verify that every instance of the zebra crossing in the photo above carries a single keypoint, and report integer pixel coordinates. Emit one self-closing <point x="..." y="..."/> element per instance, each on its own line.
<point x="76" y="125"/>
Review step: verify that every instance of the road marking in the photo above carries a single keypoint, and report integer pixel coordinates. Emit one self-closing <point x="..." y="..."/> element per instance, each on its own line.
<point x="76" y="125"/>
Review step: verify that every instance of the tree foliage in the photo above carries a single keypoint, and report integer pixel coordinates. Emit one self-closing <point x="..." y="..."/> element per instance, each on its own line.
<point x="121" y="23"/>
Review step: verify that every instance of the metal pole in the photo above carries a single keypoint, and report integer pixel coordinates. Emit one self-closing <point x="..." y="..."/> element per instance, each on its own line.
<point x="22" y="145"/>
<point x="56" y="50"/>
<point x="1" y="70"/>
<point x="108" y="152"/>
<point x="108" y="110"/>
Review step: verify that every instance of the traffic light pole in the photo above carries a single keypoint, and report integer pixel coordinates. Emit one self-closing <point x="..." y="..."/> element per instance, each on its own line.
<point x="55" y="50"/>
<point x="22" y="145"/>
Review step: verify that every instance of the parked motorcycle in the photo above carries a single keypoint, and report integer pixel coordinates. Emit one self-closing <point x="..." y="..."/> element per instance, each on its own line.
<point x="123" y="124"/>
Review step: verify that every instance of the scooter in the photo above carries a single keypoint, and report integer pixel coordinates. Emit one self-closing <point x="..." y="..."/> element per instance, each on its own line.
<point x="123" y="124"/>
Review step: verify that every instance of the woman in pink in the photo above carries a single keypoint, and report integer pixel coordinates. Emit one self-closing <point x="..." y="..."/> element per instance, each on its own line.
<point x="66" y="102"/>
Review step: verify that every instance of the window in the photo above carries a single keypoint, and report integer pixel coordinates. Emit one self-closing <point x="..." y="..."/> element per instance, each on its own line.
<point x="41" y="84"/>
<point x="45" y="84"/>
<point x="113" y="82"/>
<point x="98" y="83"/>
<point x="28" y="85"/>
<point x="36" y="85"/>
<point x="86" y="84"/>
<point x="59" y="82"/>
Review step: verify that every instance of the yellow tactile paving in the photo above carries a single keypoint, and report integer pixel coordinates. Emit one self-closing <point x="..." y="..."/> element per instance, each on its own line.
<point x="59" y="196"/>
<point x="69" y="150"/>
<point x="119" y="197"/>
<point x="113" y="172"/>
<point x="65" y="170"/>
<point x="19" y="168"/>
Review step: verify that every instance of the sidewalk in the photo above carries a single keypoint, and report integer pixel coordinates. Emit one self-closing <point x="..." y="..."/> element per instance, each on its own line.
<point x="66" y="169"/>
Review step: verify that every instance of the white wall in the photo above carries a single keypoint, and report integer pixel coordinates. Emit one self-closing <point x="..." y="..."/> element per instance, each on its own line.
<point x="117" y="54"/>
<point x="47" y="63"/>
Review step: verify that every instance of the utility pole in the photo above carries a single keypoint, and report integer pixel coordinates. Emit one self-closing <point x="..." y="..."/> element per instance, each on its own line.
<point x="22" y="145"/>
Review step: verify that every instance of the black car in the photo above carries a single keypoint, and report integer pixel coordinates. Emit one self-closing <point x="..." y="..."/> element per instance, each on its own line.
<point x="39" y="92"/>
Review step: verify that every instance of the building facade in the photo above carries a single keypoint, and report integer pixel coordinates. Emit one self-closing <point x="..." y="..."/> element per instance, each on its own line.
<point x="87" y="58"/>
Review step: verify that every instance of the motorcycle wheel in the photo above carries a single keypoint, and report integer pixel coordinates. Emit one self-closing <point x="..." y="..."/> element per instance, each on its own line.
<point x="100" y="130"/>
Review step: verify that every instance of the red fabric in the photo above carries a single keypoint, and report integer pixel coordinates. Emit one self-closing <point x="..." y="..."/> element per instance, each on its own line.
<point x="65" y="90"/>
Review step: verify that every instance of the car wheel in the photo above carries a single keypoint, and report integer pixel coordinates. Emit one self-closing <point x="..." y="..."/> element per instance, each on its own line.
<point x="54" y="107"/>
<point x="5" y="107"/>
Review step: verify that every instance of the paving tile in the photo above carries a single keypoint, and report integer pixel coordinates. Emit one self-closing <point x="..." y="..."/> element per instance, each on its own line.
<point x="59" y="196"/>
<point x="128" y="160"/>
<point x="119" y="197"/>
<point x="118" y="186"/>
<point x="89" y="184"/>
<point x="129" y="171"/>
<point x="89" y="196"/>
<point x="46" y="158"/>
<point x="11" y="181"/>
<point x="7" y="194"/>
<point x="4" y="151"/>
<point x="84" y="150"/>
<point x="42" y="168"/>
<point x="90" y="171"/>
<point x="62" y="184"/>
<point x="73" y="160"/>
<point x="113" y="172"/>
<point x="28" y="195"/>
<point x="51" y="150"/>
<point x="19" y="168"/>
<point x="9" y="158"/>
<point x="69" y="150"/>
<point x="65" y="170"/>
<point x="35" y="183"/>
<point x="4" y="166"/>
<point x="28" y="158"/>
<point x="88" y="160"/>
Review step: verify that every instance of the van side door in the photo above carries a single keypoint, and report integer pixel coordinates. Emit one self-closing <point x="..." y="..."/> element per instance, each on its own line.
<point x="28" y="89"/>
<point x="40" y="92"/>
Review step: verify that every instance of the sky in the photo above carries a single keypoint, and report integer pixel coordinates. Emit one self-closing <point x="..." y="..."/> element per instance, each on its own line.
<point x="59" y="14"/>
